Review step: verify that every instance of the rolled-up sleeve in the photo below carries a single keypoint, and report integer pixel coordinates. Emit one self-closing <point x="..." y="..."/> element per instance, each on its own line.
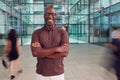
<point x="65" y="38"/>
<point x="34" y="39"/>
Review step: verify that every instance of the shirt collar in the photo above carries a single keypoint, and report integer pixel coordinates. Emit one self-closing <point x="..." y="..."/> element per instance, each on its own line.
<point x="49" y="28"/>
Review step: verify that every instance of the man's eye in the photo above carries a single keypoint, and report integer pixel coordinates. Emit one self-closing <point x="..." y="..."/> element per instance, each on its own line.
<point x="53" y="14"/>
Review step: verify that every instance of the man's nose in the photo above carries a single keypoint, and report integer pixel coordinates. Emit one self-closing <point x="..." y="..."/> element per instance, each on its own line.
<point x="50" y="16"/>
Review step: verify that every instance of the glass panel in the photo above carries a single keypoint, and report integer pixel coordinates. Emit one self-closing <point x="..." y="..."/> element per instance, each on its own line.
<point x="115" y="7"/>
<point x="62" y="19"/>
<point x="27" y="30"/>
<point x="38" y="19"/>
<point x="73" y="19"/>
<point x="29" y="9"/>
<point x="33" y="8"/>
<point x="27" y="19"/>
<point x="2" y="6"/>
<point x="38" y="9"/>
<point x="78" y="33"/>
<point x="73" y="1"/>
<point x="2" y="32"/>
<point x="115" y="19"/>
<point x="79" y="9"/>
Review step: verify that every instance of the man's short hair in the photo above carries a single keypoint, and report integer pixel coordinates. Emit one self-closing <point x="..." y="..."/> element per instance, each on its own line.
<point x="49" y="7"/>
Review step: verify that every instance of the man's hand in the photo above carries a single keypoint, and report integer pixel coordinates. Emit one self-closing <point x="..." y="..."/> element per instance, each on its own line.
<point x="63" y="48"/>
<point x="36" y="44"/>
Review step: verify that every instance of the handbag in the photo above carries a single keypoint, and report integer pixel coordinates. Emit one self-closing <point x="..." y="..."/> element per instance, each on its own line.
<point x="4" y="63"/>
<point x="5" y="59"/>
<point x="5" y="54"/>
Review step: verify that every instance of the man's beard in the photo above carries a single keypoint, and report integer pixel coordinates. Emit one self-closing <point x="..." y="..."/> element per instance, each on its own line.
<point x="50" y="22"/>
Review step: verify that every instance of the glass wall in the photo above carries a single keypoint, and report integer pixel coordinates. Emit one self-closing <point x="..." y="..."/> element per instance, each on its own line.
<point x="33" y="16"/>
<point x="103" y="16"/>
<point x="78" y="21"/>
<point x="99" y="21"/>
<point x="87" y="21"/>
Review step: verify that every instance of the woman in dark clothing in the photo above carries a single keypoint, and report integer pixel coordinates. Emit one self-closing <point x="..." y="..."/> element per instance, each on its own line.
<point x="13" y="47"/>
<point x="13" y="54"/>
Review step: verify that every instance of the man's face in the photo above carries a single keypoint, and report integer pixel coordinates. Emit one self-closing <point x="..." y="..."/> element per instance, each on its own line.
<point x="50" y="16"/>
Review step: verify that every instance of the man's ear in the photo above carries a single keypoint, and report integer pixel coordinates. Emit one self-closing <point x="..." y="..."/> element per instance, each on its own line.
<point x="44" y="15"/>
<point x="55" y="17"/>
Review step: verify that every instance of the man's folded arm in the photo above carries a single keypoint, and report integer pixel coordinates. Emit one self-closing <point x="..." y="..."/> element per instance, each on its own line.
<point x="38" y="51"/>
<point x="64" y="51"/>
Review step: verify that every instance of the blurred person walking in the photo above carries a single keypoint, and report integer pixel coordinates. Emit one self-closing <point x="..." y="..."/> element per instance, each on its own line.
<point x="115" y="34"/>
<point x="115" y="47"/>
<point x="12" y="50"/>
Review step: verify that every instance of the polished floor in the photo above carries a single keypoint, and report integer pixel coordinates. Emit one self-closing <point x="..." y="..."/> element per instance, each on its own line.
<point x="84" y="62"/>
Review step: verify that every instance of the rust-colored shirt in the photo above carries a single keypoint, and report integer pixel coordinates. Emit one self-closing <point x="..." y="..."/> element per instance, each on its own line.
<point x="49" y="38"/>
